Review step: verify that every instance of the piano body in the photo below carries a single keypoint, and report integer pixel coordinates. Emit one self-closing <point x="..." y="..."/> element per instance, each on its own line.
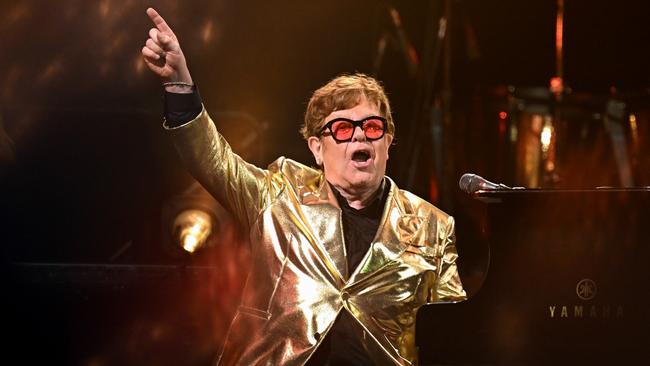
<point x="563" y="279"/>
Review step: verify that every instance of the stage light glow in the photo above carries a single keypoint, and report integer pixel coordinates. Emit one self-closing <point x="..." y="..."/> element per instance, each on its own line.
<point x="557" y="84"/>
<point x="513" y="133"/>
<point x="633" y="121"/>
<point x="193" y="222"/>
<point x="547" y="133"/>
<point x="104" y="8"/>
<point x="634" y="128"/>
<point x="193" y="228"/>
<point x="207" y="32"/>
<point x="190" y="243"/>
<point x="138" y="64"/>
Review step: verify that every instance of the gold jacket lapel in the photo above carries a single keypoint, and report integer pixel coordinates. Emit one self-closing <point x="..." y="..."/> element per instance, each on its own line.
<point x="398" y="228"/>
<point x="319" y="208"/>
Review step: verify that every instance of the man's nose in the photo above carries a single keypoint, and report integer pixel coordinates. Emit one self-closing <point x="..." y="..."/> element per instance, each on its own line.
<point x="358" y="134"/>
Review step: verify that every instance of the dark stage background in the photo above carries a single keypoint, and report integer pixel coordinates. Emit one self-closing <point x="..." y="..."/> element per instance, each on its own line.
<point x="87" y="175"/>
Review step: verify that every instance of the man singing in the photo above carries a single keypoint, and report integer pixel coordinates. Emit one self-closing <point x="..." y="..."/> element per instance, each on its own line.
<point x="341" y="257"/>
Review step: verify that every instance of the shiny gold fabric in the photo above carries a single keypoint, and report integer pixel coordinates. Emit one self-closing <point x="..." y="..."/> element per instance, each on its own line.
<point x="299" y="280"/>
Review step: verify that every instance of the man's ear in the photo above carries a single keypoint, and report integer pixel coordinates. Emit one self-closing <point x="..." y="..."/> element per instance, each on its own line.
<point x="316" y="148"/>
<point x="389" y="143"/>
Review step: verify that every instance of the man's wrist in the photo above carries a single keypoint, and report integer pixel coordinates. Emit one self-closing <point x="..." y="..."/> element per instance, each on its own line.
<point x="178" y="87"/>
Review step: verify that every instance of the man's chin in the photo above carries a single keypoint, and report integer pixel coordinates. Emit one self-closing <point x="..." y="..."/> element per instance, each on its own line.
<point x="365" y="181"/>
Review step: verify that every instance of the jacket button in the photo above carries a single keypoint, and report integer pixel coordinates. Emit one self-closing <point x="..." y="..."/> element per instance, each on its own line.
<point x="317" y="336"/>
<point x="345" y="296"/>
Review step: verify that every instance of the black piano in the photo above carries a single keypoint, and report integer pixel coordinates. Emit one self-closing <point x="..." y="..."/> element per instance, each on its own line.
<point x="555" y="277"/>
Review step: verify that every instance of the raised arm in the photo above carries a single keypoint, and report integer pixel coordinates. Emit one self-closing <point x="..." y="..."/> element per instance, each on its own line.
<point x="239" y="186"/>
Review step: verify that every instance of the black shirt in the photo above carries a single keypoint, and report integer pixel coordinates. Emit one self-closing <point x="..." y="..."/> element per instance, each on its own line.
<point x="342" y="345"/>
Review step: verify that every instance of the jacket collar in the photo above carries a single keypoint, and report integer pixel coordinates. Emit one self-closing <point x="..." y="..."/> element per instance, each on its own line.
<point x="399" y="227"/>
<point x="323" y="215"/>
<point x="316" y="191"/>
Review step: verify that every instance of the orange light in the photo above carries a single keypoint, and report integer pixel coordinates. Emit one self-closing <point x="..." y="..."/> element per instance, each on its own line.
<point x="207" y="32"/>
<point x="193" y="228"/>
<point x="547" y="133"/>
<point x="559" y="26"/>
<point x="433" y="190"/>
<point x="634" y="128"/>
<point x="633" y="121"/>
<point x="556" y="84"/>
<point x="503" y="115"/>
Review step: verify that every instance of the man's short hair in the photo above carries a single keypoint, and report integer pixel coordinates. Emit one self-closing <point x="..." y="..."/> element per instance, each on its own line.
<point x="343" y="92"/>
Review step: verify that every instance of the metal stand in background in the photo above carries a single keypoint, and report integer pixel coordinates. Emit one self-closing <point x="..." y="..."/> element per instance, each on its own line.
<point x="431" y="121"/>
<point x="432" y="111"/>
<point x="399" y="40"/>
<point x="548" y="134"/>
<point x="615" y="119"/>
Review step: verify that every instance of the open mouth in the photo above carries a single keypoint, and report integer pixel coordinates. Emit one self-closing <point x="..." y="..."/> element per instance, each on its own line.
<point x="361" y="156"/>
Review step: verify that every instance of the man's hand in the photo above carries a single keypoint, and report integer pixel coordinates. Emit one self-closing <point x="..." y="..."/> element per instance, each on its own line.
<point x="163" y="54"/>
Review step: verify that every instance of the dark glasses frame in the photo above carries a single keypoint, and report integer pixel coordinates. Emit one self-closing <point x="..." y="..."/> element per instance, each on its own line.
<point x="355" y="124"/>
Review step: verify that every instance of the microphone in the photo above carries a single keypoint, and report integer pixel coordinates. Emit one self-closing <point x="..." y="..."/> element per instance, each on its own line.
<point x="471" y="183"/>
<point x="407" y="48"/>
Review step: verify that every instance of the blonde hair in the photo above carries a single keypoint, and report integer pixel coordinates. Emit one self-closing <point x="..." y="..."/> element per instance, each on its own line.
<point x="343" y="92"/>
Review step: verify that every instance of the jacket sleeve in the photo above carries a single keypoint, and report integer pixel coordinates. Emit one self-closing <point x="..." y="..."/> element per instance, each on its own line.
<point x="242" y="188"/>
<point x="448" y="287"/>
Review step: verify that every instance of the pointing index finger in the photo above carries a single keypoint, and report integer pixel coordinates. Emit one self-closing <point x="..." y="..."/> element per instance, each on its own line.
<point x="159" y="21"/>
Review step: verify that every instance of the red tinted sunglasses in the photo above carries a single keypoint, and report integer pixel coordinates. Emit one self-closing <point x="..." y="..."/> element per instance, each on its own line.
<point x="342" y="129"/>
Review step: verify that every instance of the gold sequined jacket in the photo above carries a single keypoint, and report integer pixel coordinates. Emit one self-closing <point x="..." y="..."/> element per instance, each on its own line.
<point x="299" y="279"/>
